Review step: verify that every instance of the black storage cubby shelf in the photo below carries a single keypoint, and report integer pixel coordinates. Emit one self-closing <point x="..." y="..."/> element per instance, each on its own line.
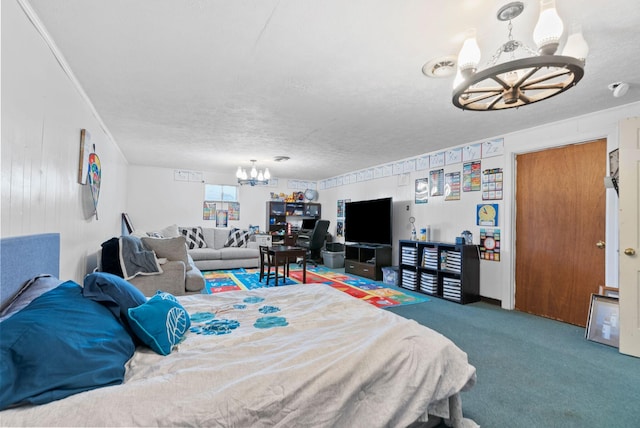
<point x="448" y="271"/>
<point x="367" y="260"/>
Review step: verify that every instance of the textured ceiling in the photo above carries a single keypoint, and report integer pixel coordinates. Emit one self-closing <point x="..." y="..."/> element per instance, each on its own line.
<point x="336" y="85"/>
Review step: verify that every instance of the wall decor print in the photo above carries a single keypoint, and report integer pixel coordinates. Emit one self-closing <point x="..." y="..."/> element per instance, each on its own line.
<point x="614" y="168"/>
<point x="471" y="177"/>
<point x="85" y="150"/>
<point x="208" y="210"/>
<point x="452" y="186"/>
<point x="222" y="218"/>
<point x="234" y="210"/>
<point x="487" y="215"/>
<point x="493" y="148"/>
<point x="436" y="160"/>
<point x="490" y="244"/>
<point x="437" y="182"/>
<point x="603" y="322"/>
<point x="472" y="152"/>
<point x="453" y="156"/>
<point x="422" y="190"/>
<point x="340" y="228"/>
<point x="95" y="178"/>
<point x="492" y="184"/>
<point x="422" y="163"/>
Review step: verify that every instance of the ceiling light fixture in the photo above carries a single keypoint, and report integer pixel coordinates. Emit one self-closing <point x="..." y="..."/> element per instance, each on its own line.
<point x="520" y="81"/>
<point x="619" y="89"/>
<point x="255" y="177"/>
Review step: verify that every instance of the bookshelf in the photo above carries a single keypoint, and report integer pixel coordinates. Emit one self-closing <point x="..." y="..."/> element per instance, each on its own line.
<point x="445" y="270"/>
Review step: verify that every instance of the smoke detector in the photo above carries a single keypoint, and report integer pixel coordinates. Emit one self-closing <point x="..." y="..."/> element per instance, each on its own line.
<point x="619" y="89"/>
<point x="440" y="67"/>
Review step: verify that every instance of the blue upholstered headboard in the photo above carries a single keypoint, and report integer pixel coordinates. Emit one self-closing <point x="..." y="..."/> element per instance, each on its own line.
<point x="23" y="257"/>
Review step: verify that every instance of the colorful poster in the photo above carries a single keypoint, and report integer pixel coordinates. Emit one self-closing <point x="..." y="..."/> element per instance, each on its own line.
<point x="492" y="184"/>
<point x="490" y="244"/>
<point x="95" y="179"/>
<point x="208" y="210"/>
<point x="422" y="190"/>
<point x="452" y="186"/>
<point x="221" y="218"/>
<point x="437" y="182"/>
<point x="234" y="210"/>
<point x="471" y="177"/>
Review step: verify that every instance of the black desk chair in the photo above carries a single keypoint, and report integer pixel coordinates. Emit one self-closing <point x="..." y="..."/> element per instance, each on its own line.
<point x="314" y="241"/>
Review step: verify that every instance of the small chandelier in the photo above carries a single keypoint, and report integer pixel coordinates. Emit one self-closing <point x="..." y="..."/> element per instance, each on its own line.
<point x="522" y="81"/>
<point x="255" y="177"/>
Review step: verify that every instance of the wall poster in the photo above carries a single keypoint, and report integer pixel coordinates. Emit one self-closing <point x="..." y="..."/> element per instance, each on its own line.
<point x="234" y="211"/>
<point x="208" y="210"/>
<point x="490" y="244"/>
<point x="471" y="177"/>
<point x="221" y="218"/>
<point x="422" y="190"/>
<point x="437" y="182"/>
<point x="452" y="186"/>
<point x="492" y="184"/>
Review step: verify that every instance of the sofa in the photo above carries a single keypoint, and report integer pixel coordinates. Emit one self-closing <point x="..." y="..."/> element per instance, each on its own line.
<point x="224" y="249"/>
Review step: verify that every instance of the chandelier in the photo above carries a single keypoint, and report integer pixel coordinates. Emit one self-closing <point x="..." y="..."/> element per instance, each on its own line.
<point x="520" y="81"/>
<point x="255" y="177"/>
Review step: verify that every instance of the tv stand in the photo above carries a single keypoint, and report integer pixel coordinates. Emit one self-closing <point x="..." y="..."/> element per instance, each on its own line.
<point x="367" y="260"/>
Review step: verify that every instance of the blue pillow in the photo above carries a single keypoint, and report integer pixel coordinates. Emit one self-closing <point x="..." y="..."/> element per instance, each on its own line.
<point x="114" y="292"/>
<point x="59" y="345"/>
<point x="160" y="323"/>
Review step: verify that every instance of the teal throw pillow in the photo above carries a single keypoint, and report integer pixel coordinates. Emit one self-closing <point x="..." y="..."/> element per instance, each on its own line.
<point x="160" y="323"/>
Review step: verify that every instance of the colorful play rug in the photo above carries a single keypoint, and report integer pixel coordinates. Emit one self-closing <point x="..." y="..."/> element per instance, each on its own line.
<point x="376" y="293"/>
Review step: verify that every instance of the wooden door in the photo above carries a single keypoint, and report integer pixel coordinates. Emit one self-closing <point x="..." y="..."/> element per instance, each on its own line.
<point x="630" y="237"/>
<point x="560" y="216"/>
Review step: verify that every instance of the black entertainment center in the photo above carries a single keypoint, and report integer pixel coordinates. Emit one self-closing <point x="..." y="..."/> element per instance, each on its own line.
<point x="368" y="233"/>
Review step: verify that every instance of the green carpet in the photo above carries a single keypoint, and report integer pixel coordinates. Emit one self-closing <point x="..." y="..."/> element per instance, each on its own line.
<point x="533" y="371"/>
<point x="373" y="292"/>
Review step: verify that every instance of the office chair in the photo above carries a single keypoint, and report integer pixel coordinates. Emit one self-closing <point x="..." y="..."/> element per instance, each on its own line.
<point x="315" y="241"/>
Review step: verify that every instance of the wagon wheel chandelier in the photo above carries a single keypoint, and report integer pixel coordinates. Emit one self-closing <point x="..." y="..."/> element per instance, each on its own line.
<point x="520" y="81"/>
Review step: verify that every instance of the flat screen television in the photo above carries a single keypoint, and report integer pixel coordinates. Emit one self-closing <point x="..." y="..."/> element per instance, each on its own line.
<point x="369" y="222"/>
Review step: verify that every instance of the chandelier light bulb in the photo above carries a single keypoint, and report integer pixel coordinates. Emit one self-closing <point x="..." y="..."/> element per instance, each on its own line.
<point x="239" y="173"/>
<point x="549" y="28"/>
<point x="576" y="45"/>
<point x="267" y="174"/>
<point x="469" y="56"/>
<point x="260" y="176"/>
<point x="254" y="171"/>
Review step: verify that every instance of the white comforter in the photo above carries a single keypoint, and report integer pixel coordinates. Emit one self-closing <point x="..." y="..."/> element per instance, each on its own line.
<point x="339" y="362"/>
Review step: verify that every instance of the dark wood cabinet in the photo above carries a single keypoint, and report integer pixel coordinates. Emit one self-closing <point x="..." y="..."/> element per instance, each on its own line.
<point x="448" y="271"/>
<point x="280" y="214"/>
<point x="367" y="260"/>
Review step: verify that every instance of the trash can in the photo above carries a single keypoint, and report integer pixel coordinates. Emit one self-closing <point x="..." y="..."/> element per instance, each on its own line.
<point x="333" y="259"/>
<point x="390" y="275"/>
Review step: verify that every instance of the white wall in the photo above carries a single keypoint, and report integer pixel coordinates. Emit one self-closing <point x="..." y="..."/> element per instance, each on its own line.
<point x="448" y="218"/>
<point x="42" y="114"/>
<point x="157" y="200"/>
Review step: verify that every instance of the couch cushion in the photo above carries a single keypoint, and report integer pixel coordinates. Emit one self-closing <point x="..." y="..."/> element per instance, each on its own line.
<point x="205" y="254"/>
<point x="221" y="235"/>
<point x="168" y="232"/>
<point x="194" y="237"/>
<point x="238" y="238"/>
<point x="209" y="236"/>
<point x="173" y="249"/>
<point x="233" y="253"/>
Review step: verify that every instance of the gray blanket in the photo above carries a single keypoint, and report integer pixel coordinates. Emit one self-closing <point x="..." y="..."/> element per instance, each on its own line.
<point x="135" y="259"/>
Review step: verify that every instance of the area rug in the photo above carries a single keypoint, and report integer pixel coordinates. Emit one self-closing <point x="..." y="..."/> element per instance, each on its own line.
<point x="373" y="292"/>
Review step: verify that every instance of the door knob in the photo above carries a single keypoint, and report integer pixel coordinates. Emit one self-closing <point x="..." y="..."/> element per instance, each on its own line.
<point x="630" y="251"/>
<point x="600" y="244"/>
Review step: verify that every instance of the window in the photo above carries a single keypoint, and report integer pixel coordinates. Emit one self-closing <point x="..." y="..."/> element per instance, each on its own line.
<point x="220" y="192"/>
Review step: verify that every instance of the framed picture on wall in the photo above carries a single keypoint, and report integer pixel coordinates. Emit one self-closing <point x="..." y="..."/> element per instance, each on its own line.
<point x="603" y="324"/>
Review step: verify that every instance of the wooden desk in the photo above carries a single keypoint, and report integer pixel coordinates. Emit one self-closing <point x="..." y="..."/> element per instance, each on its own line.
<point x="282" y="253"/>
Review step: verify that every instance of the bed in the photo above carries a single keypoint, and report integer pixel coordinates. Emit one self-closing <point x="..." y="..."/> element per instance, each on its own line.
<point x="301" y="355"/>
